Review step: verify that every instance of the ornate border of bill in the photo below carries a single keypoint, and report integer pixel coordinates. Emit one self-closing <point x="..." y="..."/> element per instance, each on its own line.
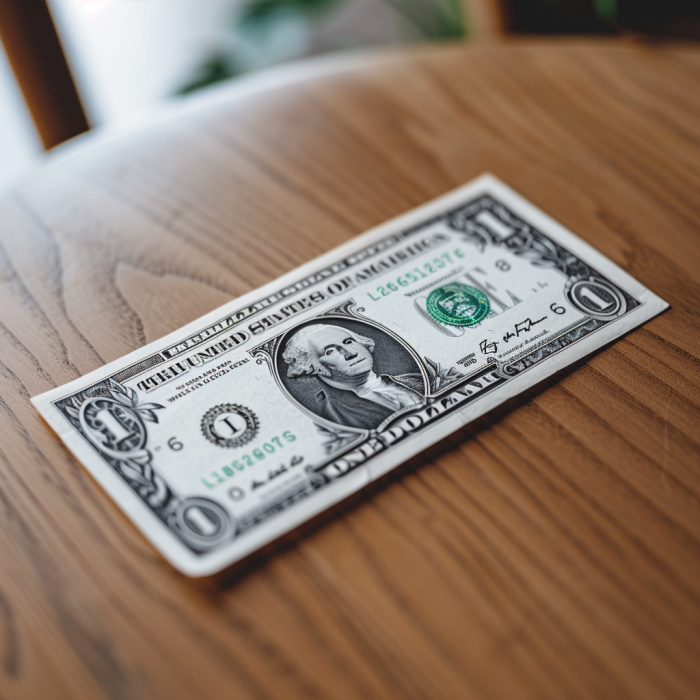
<point x="224" y="435"/>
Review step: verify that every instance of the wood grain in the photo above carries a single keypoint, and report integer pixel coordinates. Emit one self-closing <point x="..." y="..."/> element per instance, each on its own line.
<point x="551" y="550"/>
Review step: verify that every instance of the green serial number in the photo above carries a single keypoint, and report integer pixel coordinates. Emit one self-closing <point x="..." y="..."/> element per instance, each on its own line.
<point x="418" y="273"/>
<point x="250" y="459"/>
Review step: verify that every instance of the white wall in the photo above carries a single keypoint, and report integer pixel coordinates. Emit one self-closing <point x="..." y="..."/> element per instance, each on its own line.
<point x="127" y="54"/>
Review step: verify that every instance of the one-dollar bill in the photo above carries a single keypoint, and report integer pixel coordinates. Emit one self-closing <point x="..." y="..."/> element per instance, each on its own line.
<point x="224" y="435"/>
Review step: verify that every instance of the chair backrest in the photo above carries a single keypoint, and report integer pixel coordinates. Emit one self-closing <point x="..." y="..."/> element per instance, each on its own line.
<point x="28" y="33"/>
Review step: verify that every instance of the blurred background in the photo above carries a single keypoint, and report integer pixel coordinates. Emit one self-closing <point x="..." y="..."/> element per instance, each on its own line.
<point x="68" y="65"/>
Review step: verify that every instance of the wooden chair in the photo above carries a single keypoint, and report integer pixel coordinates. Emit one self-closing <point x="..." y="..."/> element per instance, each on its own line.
<point x="29" y="36"/>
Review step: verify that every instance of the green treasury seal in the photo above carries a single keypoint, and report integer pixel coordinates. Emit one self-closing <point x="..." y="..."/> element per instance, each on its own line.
<point x="458" y="304"/>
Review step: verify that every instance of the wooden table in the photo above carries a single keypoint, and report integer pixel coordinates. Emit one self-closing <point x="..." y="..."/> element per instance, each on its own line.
<point x="551" y="551"/>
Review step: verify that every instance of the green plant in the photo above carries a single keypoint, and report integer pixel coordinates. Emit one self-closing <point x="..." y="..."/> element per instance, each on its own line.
<point x="258" y="20"/>
<point x="606" y="9"/>
<point x="259" y="15"/>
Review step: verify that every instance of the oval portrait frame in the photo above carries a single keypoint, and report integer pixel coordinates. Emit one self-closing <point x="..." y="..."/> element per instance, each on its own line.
<point x="349" y="322"/>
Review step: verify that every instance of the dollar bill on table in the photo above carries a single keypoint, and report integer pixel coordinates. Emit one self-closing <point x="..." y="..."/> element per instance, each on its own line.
<point x="222" y="436"/>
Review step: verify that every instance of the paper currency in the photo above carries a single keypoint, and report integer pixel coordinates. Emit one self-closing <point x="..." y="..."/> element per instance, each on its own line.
<point x="226" y="434"/>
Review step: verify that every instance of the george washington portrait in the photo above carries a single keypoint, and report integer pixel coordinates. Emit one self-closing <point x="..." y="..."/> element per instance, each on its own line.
<point x="350" y="373"/>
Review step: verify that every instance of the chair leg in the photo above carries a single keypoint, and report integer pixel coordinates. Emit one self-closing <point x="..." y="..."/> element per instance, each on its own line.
<point x="29" y="36"/>
<point x="485" y="19"/>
